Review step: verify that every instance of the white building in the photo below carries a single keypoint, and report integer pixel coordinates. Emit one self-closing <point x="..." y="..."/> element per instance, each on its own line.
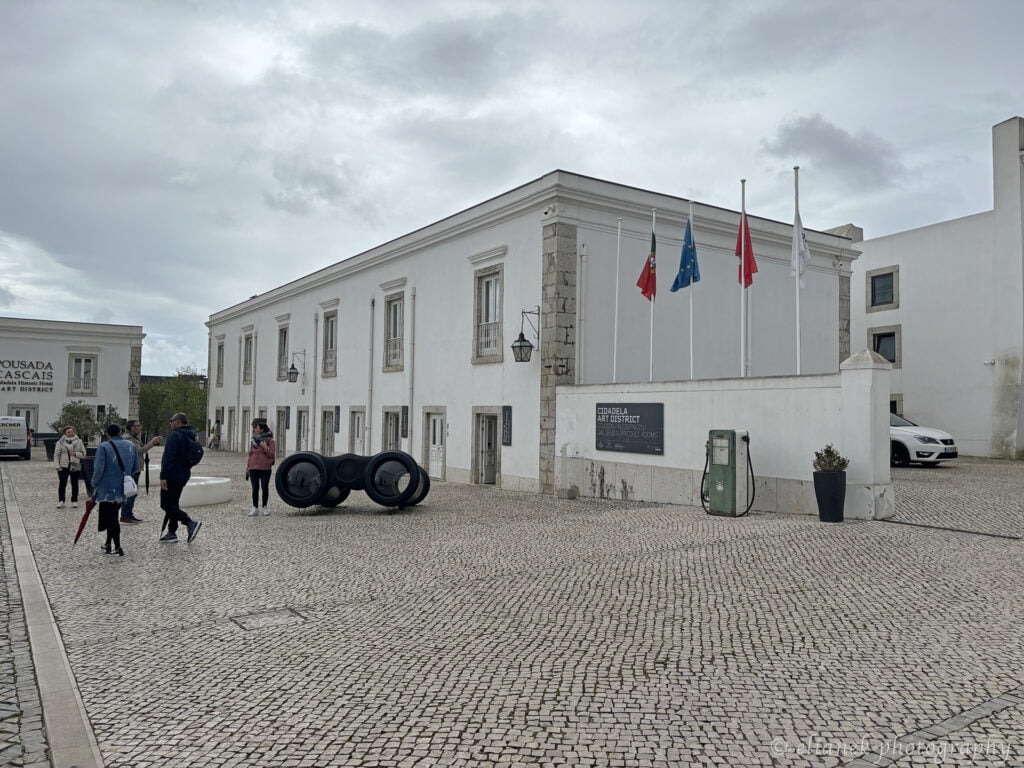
<point x="46" y="363"/>
<point x="945" y="303"/>
<point x="408" y="345"/>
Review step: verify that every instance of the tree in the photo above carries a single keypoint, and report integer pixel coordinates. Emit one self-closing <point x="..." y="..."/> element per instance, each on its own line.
<point x="81" y="416"/>
<point x="160" y="399"/>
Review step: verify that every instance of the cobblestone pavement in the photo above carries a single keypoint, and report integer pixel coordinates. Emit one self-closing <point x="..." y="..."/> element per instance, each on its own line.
<point x="489" y="628"/>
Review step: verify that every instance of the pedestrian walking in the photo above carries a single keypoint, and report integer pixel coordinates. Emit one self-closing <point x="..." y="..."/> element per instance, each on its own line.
<point x="175" y="471"/>
<point x="261" y="459"/>
<point x="68" y="455"/>
<point x="131" y="433"/>
<point x="115" y="458"/>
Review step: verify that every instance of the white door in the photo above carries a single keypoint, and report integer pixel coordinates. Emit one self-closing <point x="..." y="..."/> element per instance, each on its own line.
<point x="302" y="432"/>
<point x="280" y="432"/>
<point x="356" y="431"/>
<point x="30" y="412"/>
<point x="392" y="431"/>
<point x="488" y="449"/>
<point x="327" y="433"/>
<point x="436" y="460"/>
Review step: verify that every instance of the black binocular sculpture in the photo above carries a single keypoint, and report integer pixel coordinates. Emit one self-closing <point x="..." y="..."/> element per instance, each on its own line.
<point x="391" y="478"/>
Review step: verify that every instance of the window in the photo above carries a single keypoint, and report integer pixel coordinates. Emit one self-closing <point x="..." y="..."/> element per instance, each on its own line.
<point x="886" y="342"/>
<point x="220" y="364"/>
<point x="896" y="404"/>
<point x="282" y="353"/>
<point x="393" y="326"/>
<point x="82" y="375"/>
<point x="247" y="359"/>
<point x="883" y="289"/>
<point x="487" y="347"/>
<point x="330" y="344"/>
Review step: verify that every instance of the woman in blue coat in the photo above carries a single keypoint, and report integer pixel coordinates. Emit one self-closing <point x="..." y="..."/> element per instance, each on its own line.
<point x="108" y="484"/>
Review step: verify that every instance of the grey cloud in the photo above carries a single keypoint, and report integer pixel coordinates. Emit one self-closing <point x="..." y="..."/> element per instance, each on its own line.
<point x="862" y="160"/>
<point x="305" y="184"/>
<point x="6" y="297"/>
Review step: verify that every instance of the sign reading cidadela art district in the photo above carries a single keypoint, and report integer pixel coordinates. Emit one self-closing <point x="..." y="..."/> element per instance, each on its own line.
<point x="26" y="376"/>
<point x="631" y="427"/>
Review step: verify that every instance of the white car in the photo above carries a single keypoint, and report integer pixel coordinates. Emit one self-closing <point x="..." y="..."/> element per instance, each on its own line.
<point x="924" y="445"/>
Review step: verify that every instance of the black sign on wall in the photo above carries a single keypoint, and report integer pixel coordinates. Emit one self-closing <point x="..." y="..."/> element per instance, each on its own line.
<point x="506" y="425"/>
<point x="631" y="427"/>
<point x="405" y="421"/>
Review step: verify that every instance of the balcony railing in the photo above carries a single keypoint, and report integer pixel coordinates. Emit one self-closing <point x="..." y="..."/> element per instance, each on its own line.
<point x="83" y="384"/>
<point x="282" y="367"/>
<point x="488" y="339"/>
<point x="247" y="374"/>
<point x="330" y="360"/>
<point x="393" y="352"/>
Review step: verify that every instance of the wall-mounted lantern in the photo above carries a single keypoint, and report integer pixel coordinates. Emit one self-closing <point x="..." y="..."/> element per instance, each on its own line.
<point x="521" y="347"/>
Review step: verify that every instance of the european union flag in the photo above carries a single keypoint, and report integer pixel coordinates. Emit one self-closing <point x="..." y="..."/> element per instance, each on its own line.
<point x="689" y="272"/>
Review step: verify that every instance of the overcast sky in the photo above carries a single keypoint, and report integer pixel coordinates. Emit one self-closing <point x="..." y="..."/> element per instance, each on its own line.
<point x="161" y="161"/>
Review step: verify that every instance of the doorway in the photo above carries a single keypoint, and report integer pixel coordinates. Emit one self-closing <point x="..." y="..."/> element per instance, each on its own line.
<point x="487" y="448"/>
<point x="327" y="432"/>
<point x="392" y="430"/>
<point x="282" y="432"/>
<point x="357" y="431"/>
<point x="435" y="445"/>
<point x="302" y="430"/>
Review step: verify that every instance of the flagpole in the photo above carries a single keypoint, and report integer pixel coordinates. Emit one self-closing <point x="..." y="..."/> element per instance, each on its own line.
<point x="615" y="335"/>
<point x="691" y="291"/>
<point x="654" y="224"/>
<point x="796" y="271"/>
<point x="743" y="279"/>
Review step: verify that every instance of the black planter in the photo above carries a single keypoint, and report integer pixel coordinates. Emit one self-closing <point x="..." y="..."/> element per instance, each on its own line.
<point x="830" y="490"/>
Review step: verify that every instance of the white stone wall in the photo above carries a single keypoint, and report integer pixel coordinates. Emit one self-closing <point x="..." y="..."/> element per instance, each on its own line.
<point x="34" y="359"/>
<point x="960" y="314"/>
<point x="788" y="419"/>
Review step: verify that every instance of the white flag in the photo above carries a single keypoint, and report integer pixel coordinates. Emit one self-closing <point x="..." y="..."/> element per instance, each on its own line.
<point x="801" y="256"/>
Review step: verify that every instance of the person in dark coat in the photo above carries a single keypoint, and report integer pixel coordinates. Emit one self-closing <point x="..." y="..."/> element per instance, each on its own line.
<point x="108" y="484"/>
<point x="175" y="471"/>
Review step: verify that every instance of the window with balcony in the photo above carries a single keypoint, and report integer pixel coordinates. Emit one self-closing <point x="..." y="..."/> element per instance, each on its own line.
<point x="330" y="365"/>
<point x="82" y="375"/>
<point x="487" y="347"/>
<point x="282" y="353"/>
<point x="393" y="331"/>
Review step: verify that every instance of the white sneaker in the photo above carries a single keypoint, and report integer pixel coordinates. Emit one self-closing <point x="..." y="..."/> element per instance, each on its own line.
<point x="253" y="512"/>
<point x="60" y="505"/>
<point x="74" y="503"/>
<point x="266" y="510"/>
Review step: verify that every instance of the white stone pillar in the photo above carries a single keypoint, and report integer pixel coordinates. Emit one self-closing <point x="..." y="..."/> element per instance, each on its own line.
<point x="865" y="385"/>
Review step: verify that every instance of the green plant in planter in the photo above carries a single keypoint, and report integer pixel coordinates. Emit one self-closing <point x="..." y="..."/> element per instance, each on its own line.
<point x="830" y="460"/>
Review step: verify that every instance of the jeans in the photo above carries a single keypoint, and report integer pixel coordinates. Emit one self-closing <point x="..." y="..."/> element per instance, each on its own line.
<point x="63" y="475"/>
<point x="128" y="505"/>
<point x="260" y="478"/>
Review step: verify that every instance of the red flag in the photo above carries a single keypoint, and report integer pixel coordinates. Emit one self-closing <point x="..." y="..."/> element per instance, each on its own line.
<point x="648" y="283"/>
<point x="745" y="250"/>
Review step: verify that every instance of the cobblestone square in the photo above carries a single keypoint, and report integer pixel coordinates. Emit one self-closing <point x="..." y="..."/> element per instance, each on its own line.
<point x="491" y="628"/>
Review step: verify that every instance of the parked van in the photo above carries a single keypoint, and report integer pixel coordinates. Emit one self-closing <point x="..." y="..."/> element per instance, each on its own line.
<point x="14" y="440"/>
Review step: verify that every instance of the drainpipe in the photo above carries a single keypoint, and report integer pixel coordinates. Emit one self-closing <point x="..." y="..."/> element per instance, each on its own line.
<point x="255" y="346"/>
<point x="412" y="366"/>
<point x="314" y="415"/>
<point x="368" y="418"/>
<point x="238" y="393"/>
<point x="580" y="303"/>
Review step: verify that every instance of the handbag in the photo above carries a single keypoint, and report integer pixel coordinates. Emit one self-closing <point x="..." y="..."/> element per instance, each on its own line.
<point x="131" y="488"/>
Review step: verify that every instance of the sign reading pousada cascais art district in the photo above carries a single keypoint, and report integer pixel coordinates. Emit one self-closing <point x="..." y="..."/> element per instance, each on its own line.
<point x="26" y="376"/>
<point x="631" y="427"/>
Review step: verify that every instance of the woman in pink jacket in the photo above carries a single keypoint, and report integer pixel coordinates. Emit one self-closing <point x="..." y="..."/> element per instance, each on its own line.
<point x="261" y="459"/>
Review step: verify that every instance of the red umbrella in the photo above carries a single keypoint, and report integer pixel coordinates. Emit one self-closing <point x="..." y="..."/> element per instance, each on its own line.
<point x="89" y="504"/>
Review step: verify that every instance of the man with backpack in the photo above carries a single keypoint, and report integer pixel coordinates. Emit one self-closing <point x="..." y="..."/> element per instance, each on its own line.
<point x="181" y="452"/>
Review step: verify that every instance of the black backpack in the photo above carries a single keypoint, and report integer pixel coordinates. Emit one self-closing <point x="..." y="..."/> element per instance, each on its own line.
<point x="195" y="452"/>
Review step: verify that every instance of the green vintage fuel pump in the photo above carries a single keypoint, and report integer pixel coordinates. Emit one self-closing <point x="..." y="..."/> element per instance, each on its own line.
<point x="727" y="486"/>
